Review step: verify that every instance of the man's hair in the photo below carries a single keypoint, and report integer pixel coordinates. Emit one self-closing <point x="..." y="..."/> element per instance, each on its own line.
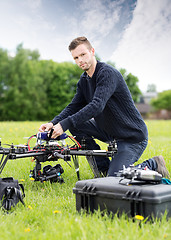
<point x="78" y="41"/>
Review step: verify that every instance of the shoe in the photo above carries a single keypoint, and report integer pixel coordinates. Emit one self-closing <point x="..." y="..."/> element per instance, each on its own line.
<point x="161" y="166"/>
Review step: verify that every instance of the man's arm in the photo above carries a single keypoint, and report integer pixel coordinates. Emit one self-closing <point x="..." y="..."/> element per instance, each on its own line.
<point x="76" y="104"/>
<point x="106" y="85"/>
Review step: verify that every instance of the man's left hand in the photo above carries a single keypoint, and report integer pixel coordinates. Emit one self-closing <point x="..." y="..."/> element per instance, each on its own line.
<point x="57" y="130"/>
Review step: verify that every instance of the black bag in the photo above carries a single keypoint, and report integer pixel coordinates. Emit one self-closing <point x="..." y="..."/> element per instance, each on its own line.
<point x="11" y="192"/>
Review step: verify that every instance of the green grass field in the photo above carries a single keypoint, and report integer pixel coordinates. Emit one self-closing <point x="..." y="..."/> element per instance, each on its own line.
<point x="50" y="211"/>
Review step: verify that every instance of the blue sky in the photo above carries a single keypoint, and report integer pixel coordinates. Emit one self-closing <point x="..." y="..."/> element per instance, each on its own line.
<point x="136" y="35"/>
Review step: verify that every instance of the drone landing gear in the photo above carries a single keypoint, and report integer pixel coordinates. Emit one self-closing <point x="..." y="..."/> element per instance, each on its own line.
<point x="93" y="165"/>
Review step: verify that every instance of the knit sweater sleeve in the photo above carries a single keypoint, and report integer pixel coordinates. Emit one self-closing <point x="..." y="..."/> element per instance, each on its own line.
<point x="106" y="82"/>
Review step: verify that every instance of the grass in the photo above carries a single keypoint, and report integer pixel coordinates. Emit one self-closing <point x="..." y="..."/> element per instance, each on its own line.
<point x="50" y="211"/>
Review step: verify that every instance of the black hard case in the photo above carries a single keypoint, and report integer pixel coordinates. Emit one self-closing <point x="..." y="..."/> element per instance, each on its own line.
<point x="115" y="196"/>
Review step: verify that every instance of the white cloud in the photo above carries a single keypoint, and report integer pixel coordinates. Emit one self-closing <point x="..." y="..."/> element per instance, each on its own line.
<point x="49" y="26"/>
<point x="25" y="24"/>
<point x="33" y="4"/>
<point x="145" y="47"/>
<point x="94" y="22"/>
<point x="100" y="19"/>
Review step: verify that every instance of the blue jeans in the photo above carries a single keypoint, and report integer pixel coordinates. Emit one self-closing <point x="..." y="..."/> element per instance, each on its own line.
<point x="127" y="154"/>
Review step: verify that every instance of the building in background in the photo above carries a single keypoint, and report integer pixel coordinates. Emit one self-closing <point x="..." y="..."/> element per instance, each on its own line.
<point x="146" y="109"/>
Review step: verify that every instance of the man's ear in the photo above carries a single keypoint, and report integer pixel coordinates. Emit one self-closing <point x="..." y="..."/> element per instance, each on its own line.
<point x="93" y="51"/>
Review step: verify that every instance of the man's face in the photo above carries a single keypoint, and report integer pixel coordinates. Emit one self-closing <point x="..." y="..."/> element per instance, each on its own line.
<point x="83" y="56"/>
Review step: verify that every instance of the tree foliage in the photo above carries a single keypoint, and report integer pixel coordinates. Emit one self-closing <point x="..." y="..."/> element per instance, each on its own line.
<point x="22" y="89"/>
<point x="151" y="88"/>
<point x="131" y="82"/>
<point x="34" y="89"/>
<point x="163" y="101"/>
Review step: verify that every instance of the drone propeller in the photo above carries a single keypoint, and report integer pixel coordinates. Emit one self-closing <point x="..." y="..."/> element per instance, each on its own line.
<point x="6" y="144"/>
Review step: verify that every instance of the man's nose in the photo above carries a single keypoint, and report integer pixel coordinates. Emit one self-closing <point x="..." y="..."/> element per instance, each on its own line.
<point x="80" y="59"/>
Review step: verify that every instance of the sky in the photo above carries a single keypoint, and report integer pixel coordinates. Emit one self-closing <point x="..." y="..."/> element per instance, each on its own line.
<point x="134" y="34"/>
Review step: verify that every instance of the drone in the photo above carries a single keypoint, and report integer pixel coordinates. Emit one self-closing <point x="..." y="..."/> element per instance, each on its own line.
<point x="136" y="173"/>
<point x="48" y="149"/>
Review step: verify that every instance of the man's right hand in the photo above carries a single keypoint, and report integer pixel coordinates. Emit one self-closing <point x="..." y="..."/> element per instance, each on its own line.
<point x="46" y="127"/>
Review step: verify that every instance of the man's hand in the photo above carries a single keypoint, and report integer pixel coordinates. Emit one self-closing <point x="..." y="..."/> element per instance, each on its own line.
<point x="57" y="130"/>
<point x="46" y="127"/>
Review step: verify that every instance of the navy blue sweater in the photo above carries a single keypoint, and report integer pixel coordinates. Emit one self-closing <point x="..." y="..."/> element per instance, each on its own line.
<point x="106" y="98"/>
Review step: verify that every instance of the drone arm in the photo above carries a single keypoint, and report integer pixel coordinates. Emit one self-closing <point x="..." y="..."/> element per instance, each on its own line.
<point x="33" y="154"/>
<point x="92" y="153"/>
<point x="5" y="151"/>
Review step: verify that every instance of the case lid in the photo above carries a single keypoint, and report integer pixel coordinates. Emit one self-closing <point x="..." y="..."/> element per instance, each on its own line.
<point x="115" y="187"/>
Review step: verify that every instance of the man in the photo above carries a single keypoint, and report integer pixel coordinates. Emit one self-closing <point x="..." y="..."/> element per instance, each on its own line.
<point x="102" y="108"/>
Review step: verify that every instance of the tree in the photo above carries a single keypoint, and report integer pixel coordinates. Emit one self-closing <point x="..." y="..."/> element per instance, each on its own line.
<point x="61" y="86"/>
<point x="163" y="100"/>
<point x="4" y="63"/>
<point x="131" y="82"/>
<point x="151" y="88"/>
<point x="21" y="99"/>
<point x="34" y="89"/>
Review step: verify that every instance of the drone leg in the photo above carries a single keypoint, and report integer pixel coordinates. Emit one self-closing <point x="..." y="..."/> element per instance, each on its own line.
<point x="3" y="163"/>
<point x="92" y="162"/>
<point x="35" y="173"/>
<point x="76" y="164"/>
